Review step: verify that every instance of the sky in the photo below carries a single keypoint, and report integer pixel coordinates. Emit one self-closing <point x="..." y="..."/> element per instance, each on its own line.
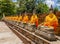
<point x="51" y="2"/>
<point x="14" y="0"/>
<point x="54" y="3"/>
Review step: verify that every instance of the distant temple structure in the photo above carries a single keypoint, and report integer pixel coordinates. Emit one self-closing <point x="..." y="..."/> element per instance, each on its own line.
<point x="51" y="8"/>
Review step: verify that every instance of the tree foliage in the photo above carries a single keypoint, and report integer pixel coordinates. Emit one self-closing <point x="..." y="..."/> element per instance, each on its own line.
<point x="7" y="7"/>
<point x="55" y="10"/>
<point x="42" y="8"/>
<point x="30" y="5"/>
<point x="26" y="5"/>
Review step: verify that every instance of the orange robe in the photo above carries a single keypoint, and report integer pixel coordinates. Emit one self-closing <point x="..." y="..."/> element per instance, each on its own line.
<point x="15" y="18"/>
<point x="19" y="18"/>
<point x="25" y="19"/>
<point x="51" y="21"/>
<point x="34" y="20"/>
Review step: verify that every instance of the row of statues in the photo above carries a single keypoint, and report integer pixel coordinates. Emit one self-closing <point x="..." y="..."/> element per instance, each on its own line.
<point x="50" y="20"/>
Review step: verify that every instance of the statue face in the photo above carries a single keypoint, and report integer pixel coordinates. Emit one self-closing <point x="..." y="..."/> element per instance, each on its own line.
<point x="51" y="15"/>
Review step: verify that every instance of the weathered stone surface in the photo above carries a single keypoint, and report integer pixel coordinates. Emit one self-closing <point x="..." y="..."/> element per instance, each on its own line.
<point x="7" y="36"/>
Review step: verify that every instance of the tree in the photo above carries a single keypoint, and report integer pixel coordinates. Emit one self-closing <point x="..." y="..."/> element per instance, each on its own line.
<point x="55" y="10"/>
<point x="42" y="8"/>
<point x="0" y="7"/>
<point x="26" y="5"/>
<point x="7" y="7"/>
<point x="30" y="5"/>
<point x="21" y="7"/>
